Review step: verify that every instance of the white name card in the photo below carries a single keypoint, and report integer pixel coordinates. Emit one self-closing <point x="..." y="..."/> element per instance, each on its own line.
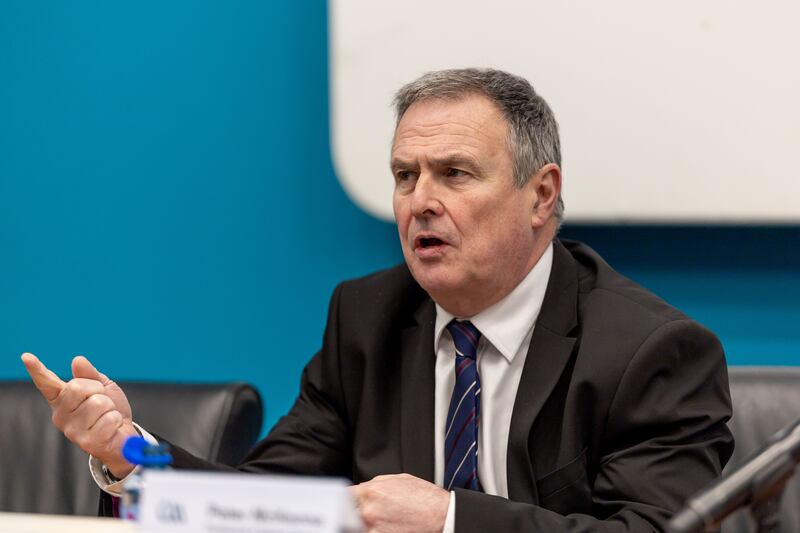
<point x="204" y="502"/>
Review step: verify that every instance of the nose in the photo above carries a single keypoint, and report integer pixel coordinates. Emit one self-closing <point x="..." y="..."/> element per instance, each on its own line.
<point x="426" y="198"/>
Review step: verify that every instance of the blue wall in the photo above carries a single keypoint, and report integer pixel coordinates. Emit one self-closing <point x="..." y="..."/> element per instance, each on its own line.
<point x="168" y="205"/>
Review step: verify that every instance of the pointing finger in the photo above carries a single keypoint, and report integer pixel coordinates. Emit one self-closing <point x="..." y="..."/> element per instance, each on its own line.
<point x="49" y="384"/>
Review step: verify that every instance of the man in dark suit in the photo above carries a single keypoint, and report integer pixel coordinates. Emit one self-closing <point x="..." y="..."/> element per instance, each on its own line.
<point x="500" y="380"/>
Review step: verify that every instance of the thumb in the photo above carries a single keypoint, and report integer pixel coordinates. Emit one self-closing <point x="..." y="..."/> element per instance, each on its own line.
<point x="82" y="368"/>
<point x="45" y="380"/>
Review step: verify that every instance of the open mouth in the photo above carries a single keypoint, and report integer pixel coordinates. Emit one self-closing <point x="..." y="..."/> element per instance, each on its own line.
<point x="427" y="242"/>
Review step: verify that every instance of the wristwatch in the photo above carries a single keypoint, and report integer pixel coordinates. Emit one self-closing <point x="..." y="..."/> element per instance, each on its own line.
<point x="111" y="478"/>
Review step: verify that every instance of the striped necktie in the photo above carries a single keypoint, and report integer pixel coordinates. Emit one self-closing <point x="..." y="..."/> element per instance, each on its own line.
<point x="461" y="434"/>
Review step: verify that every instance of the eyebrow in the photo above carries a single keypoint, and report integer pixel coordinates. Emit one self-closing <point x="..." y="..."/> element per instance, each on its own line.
<point x="450" y="160"/>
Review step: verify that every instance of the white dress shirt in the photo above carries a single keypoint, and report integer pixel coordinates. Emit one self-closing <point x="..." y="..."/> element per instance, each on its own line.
<point x="506" y="329"/>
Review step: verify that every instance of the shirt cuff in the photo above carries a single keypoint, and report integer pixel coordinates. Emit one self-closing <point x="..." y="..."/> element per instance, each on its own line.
<point x="450" y="519"/>
<point x="101" y="475"/>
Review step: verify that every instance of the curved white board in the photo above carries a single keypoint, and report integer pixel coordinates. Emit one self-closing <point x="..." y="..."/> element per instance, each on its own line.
<point x="683" y="111"/>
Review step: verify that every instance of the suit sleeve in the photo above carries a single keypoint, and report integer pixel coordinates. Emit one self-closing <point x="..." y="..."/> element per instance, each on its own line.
<point x="665" y="438"/>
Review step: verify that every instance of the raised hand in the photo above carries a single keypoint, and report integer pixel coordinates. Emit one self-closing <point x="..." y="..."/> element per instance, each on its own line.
<point x="90" y="409"/>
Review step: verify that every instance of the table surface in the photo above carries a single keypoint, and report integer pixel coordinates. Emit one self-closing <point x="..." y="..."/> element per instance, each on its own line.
<point x="39" y="523"/>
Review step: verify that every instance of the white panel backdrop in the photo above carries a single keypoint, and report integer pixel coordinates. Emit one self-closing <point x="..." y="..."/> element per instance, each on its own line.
<point x="681" y="111"/>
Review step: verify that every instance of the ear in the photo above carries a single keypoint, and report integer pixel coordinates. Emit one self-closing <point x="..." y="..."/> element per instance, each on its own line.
<point x="546" y="186"/>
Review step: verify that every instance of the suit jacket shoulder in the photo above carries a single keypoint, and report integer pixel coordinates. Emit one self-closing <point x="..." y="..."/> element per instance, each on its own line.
<point x="387" y="299"/>
<point x="620" y="412"/>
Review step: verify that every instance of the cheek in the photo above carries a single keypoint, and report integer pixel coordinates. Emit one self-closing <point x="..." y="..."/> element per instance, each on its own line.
<point x="500" y="229"/>
<point x="402" y="219"/>
<point x="397" y="208"/>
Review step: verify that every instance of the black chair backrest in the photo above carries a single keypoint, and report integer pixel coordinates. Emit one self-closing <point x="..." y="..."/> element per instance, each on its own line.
<point x="42" y="472"/>
<point x="765" y="399"/>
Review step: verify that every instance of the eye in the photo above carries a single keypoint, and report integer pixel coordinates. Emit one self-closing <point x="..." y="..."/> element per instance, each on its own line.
<point x="456" y="173"/>
<point x="403" y="176"/>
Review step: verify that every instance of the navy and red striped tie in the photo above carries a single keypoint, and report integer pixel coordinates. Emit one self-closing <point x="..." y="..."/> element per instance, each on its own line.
<point x="461" y="434"/>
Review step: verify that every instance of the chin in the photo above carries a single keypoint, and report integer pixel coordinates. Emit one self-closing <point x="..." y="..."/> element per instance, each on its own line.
<point x="437" y="282"/>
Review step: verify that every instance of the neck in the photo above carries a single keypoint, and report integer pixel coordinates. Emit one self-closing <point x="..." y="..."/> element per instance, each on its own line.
<point x="468" y="305"/>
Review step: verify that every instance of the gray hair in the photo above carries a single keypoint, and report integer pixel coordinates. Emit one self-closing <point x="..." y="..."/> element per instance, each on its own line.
<point x="532" y="127"/>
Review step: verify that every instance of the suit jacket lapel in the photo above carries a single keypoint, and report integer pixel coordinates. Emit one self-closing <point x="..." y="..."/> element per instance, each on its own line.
<point x="549" y="351"/>
<point x="417" y="382"/>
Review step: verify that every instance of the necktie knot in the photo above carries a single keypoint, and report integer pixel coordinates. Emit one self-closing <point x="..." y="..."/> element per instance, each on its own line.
<point x="465" y="337"/>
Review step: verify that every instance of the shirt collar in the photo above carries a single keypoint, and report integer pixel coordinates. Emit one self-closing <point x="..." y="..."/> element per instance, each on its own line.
<point x="507" y="323"/>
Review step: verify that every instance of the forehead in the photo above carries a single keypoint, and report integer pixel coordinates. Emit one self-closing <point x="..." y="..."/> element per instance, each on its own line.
<point x="472" y="123"/>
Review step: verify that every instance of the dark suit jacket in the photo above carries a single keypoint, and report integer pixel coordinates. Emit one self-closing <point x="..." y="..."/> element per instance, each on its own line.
<point x="619" y="417"/>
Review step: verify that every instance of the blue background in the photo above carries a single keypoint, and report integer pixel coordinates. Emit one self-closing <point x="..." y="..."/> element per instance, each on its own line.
<point x="168" y="205"/>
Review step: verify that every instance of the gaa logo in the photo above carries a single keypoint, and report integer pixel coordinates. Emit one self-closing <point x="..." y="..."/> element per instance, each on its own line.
<point x="170" y="512"/>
